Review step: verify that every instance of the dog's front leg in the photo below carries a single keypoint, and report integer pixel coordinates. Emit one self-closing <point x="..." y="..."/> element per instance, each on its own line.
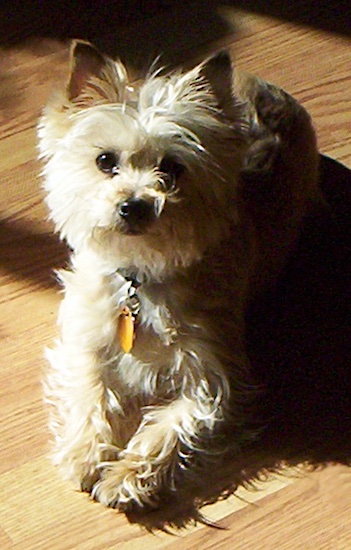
<point x="164" y="444"/>
<point x="74" y="384"/>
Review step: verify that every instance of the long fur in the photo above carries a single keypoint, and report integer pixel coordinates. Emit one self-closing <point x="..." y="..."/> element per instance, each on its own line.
<point x="131" y="427"/>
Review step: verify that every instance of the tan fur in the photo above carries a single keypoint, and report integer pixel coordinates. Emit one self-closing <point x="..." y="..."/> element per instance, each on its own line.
<point x="133" y="427"/>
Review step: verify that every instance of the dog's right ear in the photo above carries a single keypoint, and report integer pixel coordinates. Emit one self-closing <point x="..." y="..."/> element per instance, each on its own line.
<point x="86" y="63"/>
<point x="94" y="76"/>
<point x="93" y="79"/>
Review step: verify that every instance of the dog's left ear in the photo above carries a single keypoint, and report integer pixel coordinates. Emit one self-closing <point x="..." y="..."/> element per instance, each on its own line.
<point x="94" y="75"/>
<point x="218" y="71"/>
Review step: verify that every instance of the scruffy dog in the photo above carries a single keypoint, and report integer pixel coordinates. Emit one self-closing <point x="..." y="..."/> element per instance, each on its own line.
<point x="180" y="198"/>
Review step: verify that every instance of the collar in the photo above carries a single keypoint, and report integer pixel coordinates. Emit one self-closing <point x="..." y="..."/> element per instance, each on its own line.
<point x="132" y="274"/>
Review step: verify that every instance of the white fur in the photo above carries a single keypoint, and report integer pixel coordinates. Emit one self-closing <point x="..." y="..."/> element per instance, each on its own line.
<point x="122" y="421"/>
<point x="128" y="426"/>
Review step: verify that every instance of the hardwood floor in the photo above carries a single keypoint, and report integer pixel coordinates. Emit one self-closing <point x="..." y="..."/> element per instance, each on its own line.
<point x="37" y="509"/>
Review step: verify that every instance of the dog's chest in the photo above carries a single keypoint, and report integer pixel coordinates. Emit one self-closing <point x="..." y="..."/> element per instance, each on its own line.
<point x="154" y="342"/>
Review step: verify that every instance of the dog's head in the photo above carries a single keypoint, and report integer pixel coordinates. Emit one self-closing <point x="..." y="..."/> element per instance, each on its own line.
<point x="146" y="172"/>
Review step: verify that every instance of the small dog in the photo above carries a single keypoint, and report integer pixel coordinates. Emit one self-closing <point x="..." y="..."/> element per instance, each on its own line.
<point x="180" y="198"/>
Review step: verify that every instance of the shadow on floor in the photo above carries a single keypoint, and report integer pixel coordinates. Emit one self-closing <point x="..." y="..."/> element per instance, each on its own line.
<point x="27" y="255"/>
<point x="140" y="30"/>
<point x="300" y="336"/>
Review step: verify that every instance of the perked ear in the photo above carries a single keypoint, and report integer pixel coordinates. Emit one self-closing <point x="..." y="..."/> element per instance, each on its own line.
<point x="218" y="71"/>
<point x="94" y="79"/>
<point x="86" y="63"/>
<point x="94" y="76"/>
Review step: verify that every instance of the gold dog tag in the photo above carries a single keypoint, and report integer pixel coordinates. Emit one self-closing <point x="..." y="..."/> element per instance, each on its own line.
<point x="126" y="329"/>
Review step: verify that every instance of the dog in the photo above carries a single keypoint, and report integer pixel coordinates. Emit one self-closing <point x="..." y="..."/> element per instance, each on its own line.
<point x="180" y="197"/>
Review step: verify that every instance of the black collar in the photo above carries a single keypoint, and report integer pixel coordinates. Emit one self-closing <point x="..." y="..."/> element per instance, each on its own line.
<point x="132" y="275"/>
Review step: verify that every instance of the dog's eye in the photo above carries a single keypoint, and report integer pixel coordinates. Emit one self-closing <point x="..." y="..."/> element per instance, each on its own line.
<point x="108" y="162"/>
<point x="171" y="170"/>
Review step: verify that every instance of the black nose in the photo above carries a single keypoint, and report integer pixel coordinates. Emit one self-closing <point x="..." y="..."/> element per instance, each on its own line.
<point x="136" y="212"/>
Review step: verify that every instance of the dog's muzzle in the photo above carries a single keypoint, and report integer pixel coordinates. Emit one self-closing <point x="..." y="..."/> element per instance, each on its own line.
<point x="136" y="214"/>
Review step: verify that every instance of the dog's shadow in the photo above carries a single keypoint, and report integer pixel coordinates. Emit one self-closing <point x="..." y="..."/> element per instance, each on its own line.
<point x="299" y="336"/>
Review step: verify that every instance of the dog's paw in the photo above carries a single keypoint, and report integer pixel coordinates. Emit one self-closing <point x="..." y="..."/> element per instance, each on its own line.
<point x="89" y="480"/>
<point x="124" y="487"/>
<point x="86" y="472"/>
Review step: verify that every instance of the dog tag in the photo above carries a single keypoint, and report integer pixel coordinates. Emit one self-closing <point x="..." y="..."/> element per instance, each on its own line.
<point x="126" y="329"/>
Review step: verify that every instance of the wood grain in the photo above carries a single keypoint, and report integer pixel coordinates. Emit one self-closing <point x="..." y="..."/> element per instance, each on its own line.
<point x="37" y="509"/>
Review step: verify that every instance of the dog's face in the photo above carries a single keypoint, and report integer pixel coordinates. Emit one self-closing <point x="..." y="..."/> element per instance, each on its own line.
<point x="148" y="173"/>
